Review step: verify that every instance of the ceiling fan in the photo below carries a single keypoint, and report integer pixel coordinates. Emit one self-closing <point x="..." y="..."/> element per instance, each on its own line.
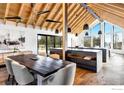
<point x="49" y="20"/>
<point x="11" y="17"/>
<point x="43" y="12"/>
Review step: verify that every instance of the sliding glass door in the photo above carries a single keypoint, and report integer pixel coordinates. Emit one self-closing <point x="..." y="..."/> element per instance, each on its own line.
<point x="42" y="40"/>
<point x="47" y="42"/>
<point x="50" y="43"/>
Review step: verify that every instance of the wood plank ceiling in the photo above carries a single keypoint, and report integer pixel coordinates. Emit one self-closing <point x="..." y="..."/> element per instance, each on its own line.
<point x="77" y="15"/>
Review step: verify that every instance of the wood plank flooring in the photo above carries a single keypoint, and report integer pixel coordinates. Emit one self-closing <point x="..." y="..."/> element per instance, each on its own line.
<point x="112" y="73"/>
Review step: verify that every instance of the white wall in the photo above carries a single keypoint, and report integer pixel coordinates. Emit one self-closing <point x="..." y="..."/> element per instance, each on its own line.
<point x="72" y="41"/>
<point x="30" y="34"/>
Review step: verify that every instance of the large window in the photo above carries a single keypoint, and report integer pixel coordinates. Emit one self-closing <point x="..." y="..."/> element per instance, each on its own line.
<point x="117" y="40"/>
<point x="108" y="35"/>
<point x="42" y="45"/>
<point x="47" y="42"/>
<point x="96" y="37"/>
<point x="58" y="42"/>
<point x="112" y="36"/>
<point x="87" y="40"/>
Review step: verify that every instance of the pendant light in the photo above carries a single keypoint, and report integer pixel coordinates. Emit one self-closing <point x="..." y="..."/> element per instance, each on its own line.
<point x="86" y="34"/>
<point x="69" y="29"/>
<point x="76" y="34"/>
<point x="85" y="27"/>
<point x="57" y="31"/>
<point x="100" y="32"/>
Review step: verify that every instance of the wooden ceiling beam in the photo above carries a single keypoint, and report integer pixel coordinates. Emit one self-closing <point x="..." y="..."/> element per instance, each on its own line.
<point x="53" y="11"/>
<point x="20" y="12"/>
<point x="70" y="8"/>
<point x="90" y="22"/>
<point x="55" y="25"/>
<point x="50" y="7"/>
<point x="33" y="13"/>
<point x="56" y="12"/>
<point x="76" y="17"/>
<point x="109" y="9"/>
<point x="21" y="9"/>
<point x="89" y="9"/>
<point x="57" y="17"/>
<point x="111" y="18"/>
<point x="71" y="14"/>
<point x="40" y="16"/>
<point x="75" y="20"/>
<point x="116" y="5"/>
<point x="81" y="23"/>
<point x="79" y="27"/>
<point x="6" y="11"/>
<point x="80" y="20"/>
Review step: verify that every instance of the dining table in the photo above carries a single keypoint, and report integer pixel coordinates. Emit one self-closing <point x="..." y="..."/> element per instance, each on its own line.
<point x="41" y="65"/>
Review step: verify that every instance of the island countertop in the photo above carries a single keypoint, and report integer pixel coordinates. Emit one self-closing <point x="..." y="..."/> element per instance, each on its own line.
<point x="86" y="50"/>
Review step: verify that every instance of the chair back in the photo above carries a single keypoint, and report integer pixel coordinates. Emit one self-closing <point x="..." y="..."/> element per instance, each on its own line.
<point x="21" y="73"/>
<point x="9" y="66"/>
<point x="54" y="56"/>
<point x="64" y="76"/>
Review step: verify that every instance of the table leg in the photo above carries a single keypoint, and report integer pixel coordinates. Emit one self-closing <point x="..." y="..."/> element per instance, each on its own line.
<point x="39" y="79"/>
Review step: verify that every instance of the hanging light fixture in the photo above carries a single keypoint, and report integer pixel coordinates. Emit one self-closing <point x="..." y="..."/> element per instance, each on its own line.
<point x="85" y="27"/>
<point x="57" y="31"/>
<point x="69" y="29"/>
<point x="86" y="34"/>
<point x="76" y="34"/>
<point x="100" y="32"/>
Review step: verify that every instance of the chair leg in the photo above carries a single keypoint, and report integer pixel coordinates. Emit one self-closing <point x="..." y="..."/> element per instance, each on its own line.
<point x="13" y="80"/>
<point x="8" y="78"/>
<point x="16" y="83"/>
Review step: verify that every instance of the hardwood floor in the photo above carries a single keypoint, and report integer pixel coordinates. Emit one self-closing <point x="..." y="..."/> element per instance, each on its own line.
<point x="3" y="75"/>
<point x="112" y="73"/>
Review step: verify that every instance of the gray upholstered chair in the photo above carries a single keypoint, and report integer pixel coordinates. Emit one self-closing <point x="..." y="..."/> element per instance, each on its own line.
<point x="21" y="73"/>
<point x="64" y="76"/>
<point x="9" y="69"/>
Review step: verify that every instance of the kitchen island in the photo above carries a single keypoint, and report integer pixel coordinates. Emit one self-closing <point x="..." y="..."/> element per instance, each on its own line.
<point x="84" y="58"/>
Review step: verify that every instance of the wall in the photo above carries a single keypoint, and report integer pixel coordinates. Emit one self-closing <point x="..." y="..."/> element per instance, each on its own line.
<point x="72" y="40"/>
<point x="30" y="34"/>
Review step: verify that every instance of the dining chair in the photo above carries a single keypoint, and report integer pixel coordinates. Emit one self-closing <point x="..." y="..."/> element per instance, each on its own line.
<point x="64" y="76"/>
<point x="9" y="69"/>
<point x="54" y="56"/>
<point x="21" y="73"/>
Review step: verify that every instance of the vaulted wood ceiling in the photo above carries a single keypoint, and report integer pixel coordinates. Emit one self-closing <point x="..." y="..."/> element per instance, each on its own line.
<point x="77" y="15"/>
